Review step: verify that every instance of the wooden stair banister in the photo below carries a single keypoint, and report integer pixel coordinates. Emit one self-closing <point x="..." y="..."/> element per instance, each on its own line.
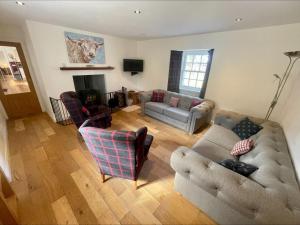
<point x="8" y="202"/>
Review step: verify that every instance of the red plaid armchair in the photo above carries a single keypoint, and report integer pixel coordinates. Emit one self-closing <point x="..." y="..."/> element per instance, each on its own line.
<point x="79" y="114"/>
<point x="117" y="153"/>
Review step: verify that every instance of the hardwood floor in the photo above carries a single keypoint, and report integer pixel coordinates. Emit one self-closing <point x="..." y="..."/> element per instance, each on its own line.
<point x="57" y="181"/>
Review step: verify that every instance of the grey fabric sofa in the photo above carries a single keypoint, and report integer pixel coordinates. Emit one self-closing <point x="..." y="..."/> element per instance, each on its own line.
<point x="182" y="116"/>
<point x="270" y="195"/>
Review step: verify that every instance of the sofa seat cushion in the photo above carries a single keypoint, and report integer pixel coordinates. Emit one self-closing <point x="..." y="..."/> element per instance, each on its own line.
<point x="212" y="150"/>
<point x="177" y="114"/>
<point x="158" y="107"/>
<point x="222" y="136"/>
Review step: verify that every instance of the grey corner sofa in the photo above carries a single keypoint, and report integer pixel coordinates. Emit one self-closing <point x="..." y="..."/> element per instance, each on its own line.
<point x="270" y="195"/>
<point x="182" y="116"/>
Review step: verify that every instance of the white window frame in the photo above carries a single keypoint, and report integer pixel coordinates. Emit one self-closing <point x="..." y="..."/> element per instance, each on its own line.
<point x="184" y="58"/>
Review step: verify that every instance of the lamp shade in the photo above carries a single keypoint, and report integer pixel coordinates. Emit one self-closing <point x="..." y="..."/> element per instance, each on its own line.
<point x="293" y="54"/>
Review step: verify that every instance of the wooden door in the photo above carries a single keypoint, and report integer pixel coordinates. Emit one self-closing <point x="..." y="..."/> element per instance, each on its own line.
<point x="17" y="92"/>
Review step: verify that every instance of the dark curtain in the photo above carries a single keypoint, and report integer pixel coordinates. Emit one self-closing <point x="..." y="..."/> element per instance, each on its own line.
<point x="174" y="71"/>
<point x="203" y="89"/>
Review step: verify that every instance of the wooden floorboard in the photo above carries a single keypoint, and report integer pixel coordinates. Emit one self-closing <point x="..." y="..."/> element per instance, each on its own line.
<point x="58" y="182"/>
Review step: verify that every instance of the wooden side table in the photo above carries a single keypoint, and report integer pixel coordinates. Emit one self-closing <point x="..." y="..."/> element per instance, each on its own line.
<point x="134" y="95"/>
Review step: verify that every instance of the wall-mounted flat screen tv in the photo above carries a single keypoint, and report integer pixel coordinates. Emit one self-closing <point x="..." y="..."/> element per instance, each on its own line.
<point x="133" y="65"/>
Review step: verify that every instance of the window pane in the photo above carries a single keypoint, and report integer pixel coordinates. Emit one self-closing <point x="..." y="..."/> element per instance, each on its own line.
<point x="185" y="82"/>
<point x="199" y="84"/>
<point x="201" y="76"/>
<point x="203" y="67"/>
<point x="192" y="83"/>
<point x="193" y="75"/>
<point x="204" y="58"/>
<point x="186" y="75"/>
<point x="197" y="59"/>
<point x="196" y="67"/>
<point x="189" y="58"/>
<point x="188" y="66"/>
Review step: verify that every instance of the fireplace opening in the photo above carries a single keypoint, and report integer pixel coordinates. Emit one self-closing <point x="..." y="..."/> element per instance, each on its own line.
<point x="91" y="85"/>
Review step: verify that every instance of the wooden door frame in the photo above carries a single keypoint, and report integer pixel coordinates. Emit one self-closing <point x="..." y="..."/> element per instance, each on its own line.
<point x="22" y="57"/>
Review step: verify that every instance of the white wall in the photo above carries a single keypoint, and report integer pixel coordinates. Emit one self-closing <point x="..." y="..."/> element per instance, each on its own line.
<point x="243" y="63"/>
<point x="291" y="122"/>
<point x="49" y="52"/>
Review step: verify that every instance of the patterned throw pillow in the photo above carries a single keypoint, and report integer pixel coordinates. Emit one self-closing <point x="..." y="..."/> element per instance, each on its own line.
<point x="246" y="128"/>
<point x="157" y="96"/>
<point x="174" y="102"/>
<point x="242" y="147"/>
<point x="238" y="167"/>
<point x="195" y="102"/>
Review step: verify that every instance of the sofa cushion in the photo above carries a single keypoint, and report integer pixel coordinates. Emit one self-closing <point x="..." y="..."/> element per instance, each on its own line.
<point x="246" y="128"/>
<point x="242" y="147"/>
<point x="157" y="96"/>
<point x="156" y="106"/>
<point x="212" y="150"/>
<point x="238" y="167"/>
<point x="222" y="136"/>
<point x="177" y="114"/>
<point x="169" y="95"/>
<point x="174" y="101"/>
<point x="185" y="102"/>
<point x="195" y="102"/>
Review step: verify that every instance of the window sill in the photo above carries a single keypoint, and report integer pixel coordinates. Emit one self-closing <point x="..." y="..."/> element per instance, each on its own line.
<point x="190" y="90"/>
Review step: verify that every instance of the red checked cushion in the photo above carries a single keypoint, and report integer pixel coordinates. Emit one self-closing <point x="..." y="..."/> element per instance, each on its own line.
<point x="195" y="102"/>
<point x="242" y="147"/>
<point x="157" y="96"/>
<point x="174" y="102"/>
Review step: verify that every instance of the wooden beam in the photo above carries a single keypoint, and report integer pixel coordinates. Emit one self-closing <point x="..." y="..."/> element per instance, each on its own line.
<point x="87" y="68"/>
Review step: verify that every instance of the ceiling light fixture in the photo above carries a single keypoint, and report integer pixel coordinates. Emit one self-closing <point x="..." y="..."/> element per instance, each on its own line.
<point x="137" y="11"/>
<point x="20" y="3"/>
<point x="238" y="19"/>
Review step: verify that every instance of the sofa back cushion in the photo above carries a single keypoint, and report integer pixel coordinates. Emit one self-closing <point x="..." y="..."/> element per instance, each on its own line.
<point x="229" y="119"/>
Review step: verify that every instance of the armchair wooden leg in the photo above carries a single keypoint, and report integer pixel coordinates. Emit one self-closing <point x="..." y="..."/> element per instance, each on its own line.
<point x="103" y="177"/>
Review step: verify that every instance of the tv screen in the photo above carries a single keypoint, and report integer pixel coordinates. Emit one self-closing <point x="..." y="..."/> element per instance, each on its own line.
<point x="133" y="65"/>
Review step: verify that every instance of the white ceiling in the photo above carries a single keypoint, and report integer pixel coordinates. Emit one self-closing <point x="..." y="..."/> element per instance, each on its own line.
<point x="158" y="18"/>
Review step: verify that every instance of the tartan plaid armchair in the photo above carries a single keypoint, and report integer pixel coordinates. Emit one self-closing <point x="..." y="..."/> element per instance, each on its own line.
<point x="117" y="153"/>
<point x="79" y="114"/>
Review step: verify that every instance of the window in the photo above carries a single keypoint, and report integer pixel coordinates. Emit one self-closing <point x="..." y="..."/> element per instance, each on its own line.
<point x="193" y="69"/>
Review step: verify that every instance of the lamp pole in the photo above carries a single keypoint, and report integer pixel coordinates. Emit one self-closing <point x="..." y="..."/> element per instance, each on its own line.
<point x="293" y="57"/>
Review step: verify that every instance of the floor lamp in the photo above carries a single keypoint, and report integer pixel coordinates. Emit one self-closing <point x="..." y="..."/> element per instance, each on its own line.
<point x="293" y="57"/>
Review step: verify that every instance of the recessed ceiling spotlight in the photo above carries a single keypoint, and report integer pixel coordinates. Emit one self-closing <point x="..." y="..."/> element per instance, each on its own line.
<point x="238" y="19"/>
<point x="20" y="3"/>
<point x="137" y="11"/>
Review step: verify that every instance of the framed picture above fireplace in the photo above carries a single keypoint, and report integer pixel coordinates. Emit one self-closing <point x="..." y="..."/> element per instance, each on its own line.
<point x="83" y="48"/>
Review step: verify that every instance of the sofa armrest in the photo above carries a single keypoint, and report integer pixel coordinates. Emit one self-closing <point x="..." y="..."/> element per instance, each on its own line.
<point x="144" y="98"/>
<point x="240" y="193"/>
<point x="200" y="114"/>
